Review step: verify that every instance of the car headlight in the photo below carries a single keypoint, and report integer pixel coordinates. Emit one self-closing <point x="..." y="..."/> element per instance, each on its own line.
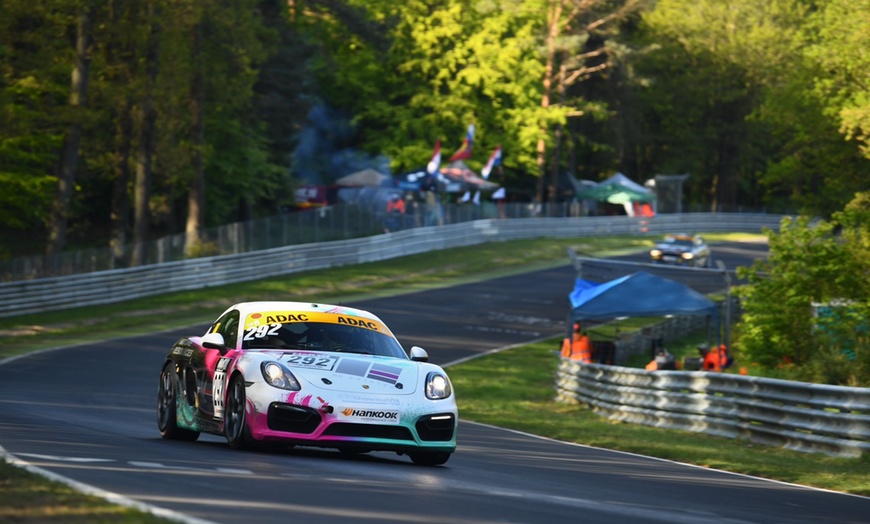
<point x="437" y="386"/>
<point x="688" y="256"/>
<point x="278" y="376"/>
<point x="655" y="253"/>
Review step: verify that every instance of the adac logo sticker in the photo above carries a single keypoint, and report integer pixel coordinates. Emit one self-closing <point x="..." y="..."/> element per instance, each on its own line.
<point x="274" y="318"/>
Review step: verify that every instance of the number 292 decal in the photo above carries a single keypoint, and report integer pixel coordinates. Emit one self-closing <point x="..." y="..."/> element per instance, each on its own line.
<point x="262" y="331"/>
<point x="310" y="361"/>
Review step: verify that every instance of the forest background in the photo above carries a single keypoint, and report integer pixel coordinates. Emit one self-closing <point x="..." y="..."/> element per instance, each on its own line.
<point x="121" y="121"/>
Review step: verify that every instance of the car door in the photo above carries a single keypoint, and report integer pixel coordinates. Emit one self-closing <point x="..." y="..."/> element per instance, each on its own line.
<point x="210" y="373"/>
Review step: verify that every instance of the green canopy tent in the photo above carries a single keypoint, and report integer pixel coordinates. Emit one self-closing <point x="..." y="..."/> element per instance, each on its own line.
<point x="618" y="189"/>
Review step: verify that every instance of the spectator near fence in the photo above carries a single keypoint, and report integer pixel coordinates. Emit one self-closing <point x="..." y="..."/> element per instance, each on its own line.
<point x="578" y="346"/>
<point x="663" y="360"/>
<point x="715" y="359"/>
<point x="395" y="213"/>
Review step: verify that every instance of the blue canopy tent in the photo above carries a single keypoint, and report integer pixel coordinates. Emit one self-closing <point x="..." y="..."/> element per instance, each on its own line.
<point x="640" y="294"/>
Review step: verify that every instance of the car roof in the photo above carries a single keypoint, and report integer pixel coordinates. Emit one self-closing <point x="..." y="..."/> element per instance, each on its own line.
<point x="246" y="308"/>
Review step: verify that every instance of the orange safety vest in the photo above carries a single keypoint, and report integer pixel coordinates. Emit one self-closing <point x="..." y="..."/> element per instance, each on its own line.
<point x="396" y="205"/>
<point x="579" y="349"/>
<point x="715" y="360"/>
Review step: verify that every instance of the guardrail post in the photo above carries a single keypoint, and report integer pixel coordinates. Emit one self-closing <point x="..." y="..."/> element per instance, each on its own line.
<point x="727" y="327"/>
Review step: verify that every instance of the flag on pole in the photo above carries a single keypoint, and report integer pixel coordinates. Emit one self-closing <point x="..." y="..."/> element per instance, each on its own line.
<point x="435" y="163"/>
<point x="464" y="152"/>
<point x="494" y="160"/>
<point x="477" y="198"/>
<point x="466" y="197"/>
<point x="499" y="194"/>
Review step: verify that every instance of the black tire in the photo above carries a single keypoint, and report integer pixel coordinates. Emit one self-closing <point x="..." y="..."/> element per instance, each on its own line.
<point x="235" y="420"/>
<point x="429" y="458"/>
<point x="167" y="403"/>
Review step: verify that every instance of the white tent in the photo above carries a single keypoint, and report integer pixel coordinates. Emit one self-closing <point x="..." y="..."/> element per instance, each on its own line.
<point x="366" y="177"/>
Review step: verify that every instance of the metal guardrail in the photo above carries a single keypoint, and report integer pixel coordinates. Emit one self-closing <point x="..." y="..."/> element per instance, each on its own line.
<point x="815" y="418"/>
<point x="322" y="224"/>
<point x="104" y="287"/>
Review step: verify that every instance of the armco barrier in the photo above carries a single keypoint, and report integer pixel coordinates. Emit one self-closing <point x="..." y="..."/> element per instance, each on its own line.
<point x="805" y="417"/>
<point x="104" y="287"/>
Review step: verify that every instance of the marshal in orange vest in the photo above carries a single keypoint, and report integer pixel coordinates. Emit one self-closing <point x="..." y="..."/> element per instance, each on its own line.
<point x="578" y="347"/>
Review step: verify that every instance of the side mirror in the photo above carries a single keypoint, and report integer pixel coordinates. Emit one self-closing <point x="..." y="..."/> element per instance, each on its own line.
<point x="419" y="354"/>
<point x="214" y="341"/>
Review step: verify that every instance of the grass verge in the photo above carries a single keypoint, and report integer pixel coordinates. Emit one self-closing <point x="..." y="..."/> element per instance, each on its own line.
<point x="515" y="389"/>
<point x="29" y="498"/>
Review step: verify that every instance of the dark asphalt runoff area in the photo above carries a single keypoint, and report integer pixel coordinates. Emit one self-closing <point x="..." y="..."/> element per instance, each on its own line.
<point x="88" y="413"/>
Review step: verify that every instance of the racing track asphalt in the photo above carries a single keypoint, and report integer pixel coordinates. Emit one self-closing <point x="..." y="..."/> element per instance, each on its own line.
<point x="88" y="413"/>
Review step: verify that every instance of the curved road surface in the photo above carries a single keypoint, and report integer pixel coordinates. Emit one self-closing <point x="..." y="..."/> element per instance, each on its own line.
<point x="87" y="413"/>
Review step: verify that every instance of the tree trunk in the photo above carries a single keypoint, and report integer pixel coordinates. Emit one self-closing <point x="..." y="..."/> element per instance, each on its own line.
<point x="729" y="171"/>
<point x="142" y="189"/>
<point x="120" y="198"/>
<point x="70" y="153"/>
<point x="553" y="16"/>
<point x="196" y="190"/>
<point x="119" y="214"/>
<point x="557" y="147"/>
<point x="145" y="148"/>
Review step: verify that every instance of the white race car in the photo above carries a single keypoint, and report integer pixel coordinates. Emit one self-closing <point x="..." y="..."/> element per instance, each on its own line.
<point x="682" y="250"/>
<point x="307" y="374"/>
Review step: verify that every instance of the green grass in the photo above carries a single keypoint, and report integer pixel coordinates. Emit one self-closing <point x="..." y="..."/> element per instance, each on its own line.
<point x="29" y="498"/>
<point x="512" y="389"/>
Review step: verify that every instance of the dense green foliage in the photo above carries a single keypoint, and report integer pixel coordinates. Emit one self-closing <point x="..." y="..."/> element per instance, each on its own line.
<point x="826" y="265"/>
<point x="124" y="120"/>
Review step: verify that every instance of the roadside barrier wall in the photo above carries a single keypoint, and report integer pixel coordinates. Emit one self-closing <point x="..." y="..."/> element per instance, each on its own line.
<point x="816" y="418"/>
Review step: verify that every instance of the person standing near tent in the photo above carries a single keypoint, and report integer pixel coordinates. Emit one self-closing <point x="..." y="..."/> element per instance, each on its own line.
<point x="412" y="213"/>
<point x="715" y="359"/>
<point x="663" y="360"/>
<point x="578" y="346"/>
<point x="395" y="213"/>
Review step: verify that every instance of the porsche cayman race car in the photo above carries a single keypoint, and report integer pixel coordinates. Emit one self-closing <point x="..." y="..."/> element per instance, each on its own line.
<point x="681" y="250"/>
<point x="305" y="374"/>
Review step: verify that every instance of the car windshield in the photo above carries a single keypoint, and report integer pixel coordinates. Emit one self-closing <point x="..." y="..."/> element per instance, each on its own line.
<point x="322" y="336"/>
<point x="683" y="242"/>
